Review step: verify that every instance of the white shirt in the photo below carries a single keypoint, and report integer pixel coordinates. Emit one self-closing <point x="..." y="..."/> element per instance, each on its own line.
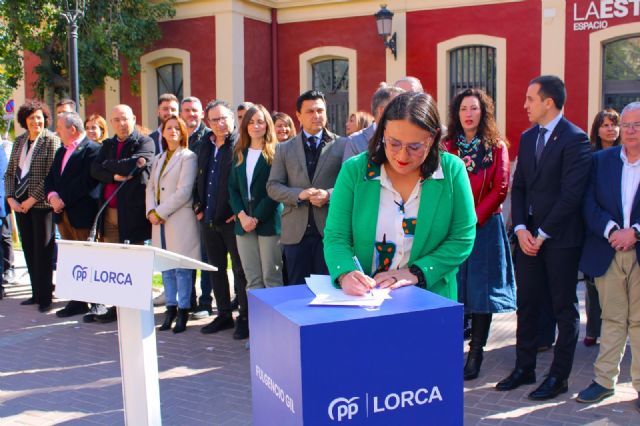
<point x="628" y="187"/>
<point x="253" y="155"/>
<point x="395" y="227"/>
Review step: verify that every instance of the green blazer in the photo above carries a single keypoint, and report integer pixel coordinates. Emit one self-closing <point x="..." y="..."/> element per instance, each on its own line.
<point x="266" y="210"/>
<point x="445" y="229"/>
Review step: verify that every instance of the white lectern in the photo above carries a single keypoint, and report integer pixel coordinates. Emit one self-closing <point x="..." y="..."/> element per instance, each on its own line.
<point x="121" y="275"/>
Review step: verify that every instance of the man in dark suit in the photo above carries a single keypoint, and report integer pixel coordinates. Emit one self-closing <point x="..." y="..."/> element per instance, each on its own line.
<point x="549" y="182"/>
<point x="302" y="176"/>
<point x="71" y="190"/>
<point x="359" y="141"/>
<point x="611" y="252"/>
<point x="192" y="114"/>
<point x="212" y="207"/>
<point x="126" y="157"/>
<point x="167" y="106"/>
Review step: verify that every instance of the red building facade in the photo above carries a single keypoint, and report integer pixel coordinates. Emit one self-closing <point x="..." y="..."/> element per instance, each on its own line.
<point x="269" y="51"/>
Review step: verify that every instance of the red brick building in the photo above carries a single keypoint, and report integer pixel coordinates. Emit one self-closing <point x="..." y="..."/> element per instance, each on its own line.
<point x="268" y="51"/>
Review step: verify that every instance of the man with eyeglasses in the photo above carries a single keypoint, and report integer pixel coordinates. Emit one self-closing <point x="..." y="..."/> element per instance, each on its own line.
<point x="211" y="204"/>
<point x="546" y="198"/>
<point x="611" y="252"/>
<point x="303" y="173"/>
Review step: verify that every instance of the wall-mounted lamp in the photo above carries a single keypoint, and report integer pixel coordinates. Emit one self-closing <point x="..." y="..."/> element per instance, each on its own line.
<point x="383" y="20"/>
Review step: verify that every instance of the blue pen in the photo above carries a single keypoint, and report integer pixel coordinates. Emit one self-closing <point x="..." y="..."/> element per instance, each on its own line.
<point x="359" y="267"/>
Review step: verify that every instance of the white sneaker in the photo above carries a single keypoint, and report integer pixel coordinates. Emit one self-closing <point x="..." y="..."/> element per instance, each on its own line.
<point x="159" y="300"/>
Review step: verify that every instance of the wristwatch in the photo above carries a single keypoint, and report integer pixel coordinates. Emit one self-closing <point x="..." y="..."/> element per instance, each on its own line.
<point x="636" y="233"/>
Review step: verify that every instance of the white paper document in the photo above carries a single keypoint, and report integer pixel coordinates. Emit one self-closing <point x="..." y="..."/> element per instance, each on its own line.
<point x="327" y="294"/>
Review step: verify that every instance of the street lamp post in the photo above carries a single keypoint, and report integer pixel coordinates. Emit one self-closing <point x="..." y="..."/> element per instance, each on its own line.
<point x="73" y="14"/>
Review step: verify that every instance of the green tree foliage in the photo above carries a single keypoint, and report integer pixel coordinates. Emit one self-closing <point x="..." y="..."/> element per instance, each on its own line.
<point x="622" y="59"/>
<point x="112" y="36"/>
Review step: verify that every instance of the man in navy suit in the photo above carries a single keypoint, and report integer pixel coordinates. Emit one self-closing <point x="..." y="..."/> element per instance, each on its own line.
<point x="611" y="252"/>
<point x="71" y="190"/>
<point x="548" y="186"/>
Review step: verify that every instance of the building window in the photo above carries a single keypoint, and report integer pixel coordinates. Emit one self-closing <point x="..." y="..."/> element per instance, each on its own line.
<point x="170" y="79"/>
<point x="472" y="66"/>
<point x="331" y="76"/>
<point x="621" y="69"/>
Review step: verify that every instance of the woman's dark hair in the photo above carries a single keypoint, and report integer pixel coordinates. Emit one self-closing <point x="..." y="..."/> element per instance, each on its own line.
<point x="419" y="109"/>
<point x="487" y="128"/>
<point x="594" y="137"/>
<point x="29" y="107"/>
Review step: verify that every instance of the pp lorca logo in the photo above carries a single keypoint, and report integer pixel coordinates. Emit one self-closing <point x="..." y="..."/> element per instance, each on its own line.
<point x="97" y="276"/>
<point x="345" y="409"/>
<point x="80" y="273"/>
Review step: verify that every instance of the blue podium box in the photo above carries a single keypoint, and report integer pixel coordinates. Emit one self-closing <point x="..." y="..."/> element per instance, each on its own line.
<point x="321" y="365"/>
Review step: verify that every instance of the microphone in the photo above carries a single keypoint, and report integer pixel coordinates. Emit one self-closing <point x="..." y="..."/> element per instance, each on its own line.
<point x="140" y="163"/>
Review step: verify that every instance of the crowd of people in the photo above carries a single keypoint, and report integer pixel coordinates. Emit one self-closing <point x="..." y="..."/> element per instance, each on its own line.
<point x="401" y="200"/>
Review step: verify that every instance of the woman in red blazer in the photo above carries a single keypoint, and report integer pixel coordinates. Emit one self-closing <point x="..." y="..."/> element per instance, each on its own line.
<point x="486" y="283"/>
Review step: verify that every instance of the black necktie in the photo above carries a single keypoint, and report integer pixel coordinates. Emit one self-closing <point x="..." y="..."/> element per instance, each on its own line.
<point x="540" y="144"/>
<point x="312" y="145"/>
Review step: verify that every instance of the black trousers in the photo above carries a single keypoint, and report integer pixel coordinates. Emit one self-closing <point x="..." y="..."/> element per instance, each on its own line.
<point x="557" y="270"/>
<point x="218" y="242"/>
<point x="305" y="258"/>
<point x="37" y="237"/>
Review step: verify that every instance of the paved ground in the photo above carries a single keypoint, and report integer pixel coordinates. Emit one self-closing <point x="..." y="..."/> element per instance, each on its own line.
<point x="55" y="371"/>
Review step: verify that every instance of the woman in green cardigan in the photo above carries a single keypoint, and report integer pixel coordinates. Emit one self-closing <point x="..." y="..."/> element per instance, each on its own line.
<point x="404" y="209"/>
<point x="257" y="226"/>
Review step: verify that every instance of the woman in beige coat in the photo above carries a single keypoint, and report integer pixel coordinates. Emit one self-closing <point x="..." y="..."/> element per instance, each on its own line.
<point x="169" y="209"/>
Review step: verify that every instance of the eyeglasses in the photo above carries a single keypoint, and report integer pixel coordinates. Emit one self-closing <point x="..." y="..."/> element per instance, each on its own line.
<point x="415" y="149"/>
<point x="217" y="120"/>
<point x="627" y="126"/>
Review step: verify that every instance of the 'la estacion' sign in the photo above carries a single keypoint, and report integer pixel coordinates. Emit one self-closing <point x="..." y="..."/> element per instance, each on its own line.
<point x="595" y="14"/>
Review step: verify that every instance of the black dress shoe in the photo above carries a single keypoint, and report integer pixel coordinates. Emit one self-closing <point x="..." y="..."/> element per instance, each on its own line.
<point x="29" y="301"/>
<point x="73" y="308"/>
<point x="242" y="328"/>
<point x="45" y="308"/>
<point x="517" y="378"/>
<point x="551" y="387"/>
<point x="110" y="316"/>
<point x="222" y="322"/>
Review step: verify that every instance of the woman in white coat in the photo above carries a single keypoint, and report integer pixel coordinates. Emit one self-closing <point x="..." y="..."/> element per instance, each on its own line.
<point x="169" y="209"/>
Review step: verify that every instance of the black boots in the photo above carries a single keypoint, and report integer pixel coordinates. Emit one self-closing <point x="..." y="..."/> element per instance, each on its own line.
<point x="181" y="321"/>
<point x="169" y="316"/>
<point x="480" y="324"/>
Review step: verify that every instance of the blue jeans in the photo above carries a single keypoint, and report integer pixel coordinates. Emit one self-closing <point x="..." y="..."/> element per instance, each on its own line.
<point x="177" y="282"/>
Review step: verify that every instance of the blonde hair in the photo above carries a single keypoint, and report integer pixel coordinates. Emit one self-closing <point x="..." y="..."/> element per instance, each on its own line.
<point x="244" y="142"/>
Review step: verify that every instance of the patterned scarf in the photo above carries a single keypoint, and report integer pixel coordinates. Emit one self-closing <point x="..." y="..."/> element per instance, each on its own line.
<point x="475" y="154"/>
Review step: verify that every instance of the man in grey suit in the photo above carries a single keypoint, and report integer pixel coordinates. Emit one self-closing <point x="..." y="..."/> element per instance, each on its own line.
<point x="359" y="141"/>
<point x="303" y="173"/>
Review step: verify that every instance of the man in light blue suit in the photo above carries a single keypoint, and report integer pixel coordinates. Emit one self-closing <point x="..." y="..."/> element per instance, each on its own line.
<point x="611" y="252"/>
<point x="359" y="141"/>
